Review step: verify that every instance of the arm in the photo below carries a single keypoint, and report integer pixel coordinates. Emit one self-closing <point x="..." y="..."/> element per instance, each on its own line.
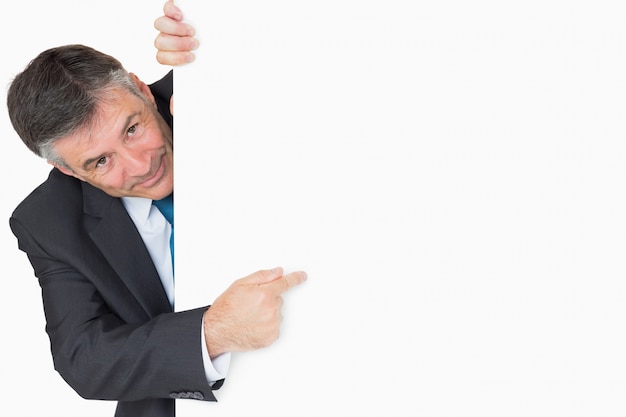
<point x="105" y="346"/>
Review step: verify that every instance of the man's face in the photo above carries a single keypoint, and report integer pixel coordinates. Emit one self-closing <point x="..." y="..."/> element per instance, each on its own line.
<point x="127" y="152"/>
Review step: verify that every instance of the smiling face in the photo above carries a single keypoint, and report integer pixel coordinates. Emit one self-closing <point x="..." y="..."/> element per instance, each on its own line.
<point x="127" y="150"/>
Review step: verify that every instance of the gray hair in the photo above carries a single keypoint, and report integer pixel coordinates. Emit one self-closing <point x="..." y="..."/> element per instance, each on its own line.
<point x="60" y="92"/>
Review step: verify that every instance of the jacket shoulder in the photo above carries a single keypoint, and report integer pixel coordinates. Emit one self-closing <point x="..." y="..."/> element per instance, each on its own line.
<point x="58" y="194"/>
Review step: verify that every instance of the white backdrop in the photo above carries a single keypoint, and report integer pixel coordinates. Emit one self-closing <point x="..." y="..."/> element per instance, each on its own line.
<point x="451" y="176"/>
<point x="118" y="27"/>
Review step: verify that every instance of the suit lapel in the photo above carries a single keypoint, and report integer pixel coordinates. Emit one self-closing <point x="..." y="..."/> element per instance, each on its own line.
<point x="113" y="231"/>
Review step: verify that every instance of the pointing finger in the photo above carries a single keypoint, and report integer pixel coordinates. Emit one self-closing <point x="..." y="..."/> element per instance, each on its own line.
<point x="263" y="276"/>
<point x="288" y="281"/>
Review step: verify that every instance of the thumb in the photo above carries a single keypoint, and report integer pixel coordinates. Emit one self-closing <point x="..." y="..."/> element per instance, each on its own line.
<point x="263" y="276"/>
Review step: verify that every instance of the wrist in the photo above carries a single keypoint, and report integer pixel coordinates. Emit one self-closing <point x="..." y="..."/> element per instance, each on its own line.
<point x="212" y="339"/>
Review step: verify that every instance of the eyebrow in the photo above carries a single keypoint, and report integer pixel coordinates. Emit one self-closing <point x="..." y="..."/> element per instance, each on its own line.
<point x="90" y="161"/>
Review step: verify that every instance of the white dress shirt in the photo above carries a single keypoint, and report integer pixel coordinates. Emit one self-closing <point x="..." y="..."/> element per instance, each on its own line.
<point x="155" y="231"/>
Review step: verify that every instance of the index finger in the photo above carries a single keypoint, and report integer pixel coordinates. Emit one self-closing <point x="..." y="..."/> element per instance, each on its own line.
<point x="288" y="281"/>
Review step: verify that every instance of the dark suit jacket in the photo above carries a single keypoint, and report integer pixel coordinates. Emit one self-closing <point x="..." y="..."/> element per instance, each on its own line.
<point x="113" y="335"/>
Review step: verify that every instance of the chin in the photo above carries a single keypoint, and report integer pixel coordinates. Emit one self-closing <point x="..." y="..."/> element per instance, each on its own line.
<point x="164" y="193"/>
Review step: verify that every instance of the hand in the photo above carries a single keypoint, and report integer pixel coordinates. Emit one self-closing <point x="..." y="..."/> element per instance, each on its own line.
<point x="175" y="40"/>
<point x="247" y="315"/>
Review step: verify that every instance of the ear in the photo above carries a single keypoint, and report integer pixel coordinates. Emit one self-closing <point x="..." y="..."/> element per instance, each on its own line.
<point x="143" y="88"/>
<point x="63" y="169"/>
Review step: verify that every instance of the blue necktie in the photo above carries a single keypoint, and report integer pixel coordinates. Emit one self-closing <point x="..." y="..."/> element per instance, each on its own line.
<point x="166" y="207"/>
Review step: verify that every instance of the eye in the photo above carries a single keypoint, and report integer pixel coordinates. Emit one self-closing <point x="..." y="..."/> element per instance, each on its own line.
<point x="131" y="130"/>
<point x="102" y="161"/>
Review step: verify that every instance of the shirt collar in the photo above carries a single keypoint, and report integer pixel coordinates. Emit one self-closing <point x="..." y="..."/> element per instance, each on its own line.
<point x="138" y="208"/>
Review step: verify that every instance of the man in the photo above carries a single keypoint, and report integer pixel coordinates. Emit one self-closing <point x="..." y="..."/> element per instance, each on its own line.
<point x="100" y="247"/>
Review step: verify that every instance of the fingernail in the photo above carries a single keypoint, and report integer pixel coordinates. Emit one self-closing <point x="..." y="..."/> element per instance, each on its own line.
<point x="190" y="57"/>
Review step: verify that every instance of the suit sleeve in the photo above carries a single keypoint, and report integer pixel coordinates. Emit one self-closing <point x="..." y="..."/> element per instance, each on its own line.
<point x="102" y="356"/>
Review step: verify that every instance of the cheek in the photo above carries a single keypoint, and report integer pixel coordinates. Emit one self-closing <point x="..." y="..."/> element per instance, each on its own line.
<point x="162" y="133"/>
<point x="114" y="180"/>
<point x="153" y="139"/>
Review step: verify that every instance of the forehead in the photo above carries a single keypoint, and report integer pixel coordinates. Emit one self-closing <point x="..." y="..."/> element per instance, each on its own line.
<point x="113" y="104"/>
<point x="114" y="111"/>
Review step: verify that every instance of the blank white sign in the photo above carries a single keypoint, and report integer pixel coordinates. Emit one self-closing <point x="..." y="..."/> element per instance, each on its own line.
<point x="451" y="176"/>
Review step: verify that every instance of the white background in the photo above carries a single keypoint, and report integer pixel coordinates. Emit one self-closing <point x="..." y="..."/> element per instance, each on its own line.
<point x="450" y="174"/>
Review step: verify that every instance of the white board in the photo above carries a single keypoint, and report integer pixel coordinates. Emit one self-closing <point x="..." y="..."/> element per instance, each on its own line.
<point x="450" y="175"/>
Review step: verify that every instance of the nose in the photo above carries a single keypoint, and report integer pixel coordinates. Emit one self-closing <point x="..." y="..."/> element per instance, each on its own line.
<point x="136" y="162"/>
